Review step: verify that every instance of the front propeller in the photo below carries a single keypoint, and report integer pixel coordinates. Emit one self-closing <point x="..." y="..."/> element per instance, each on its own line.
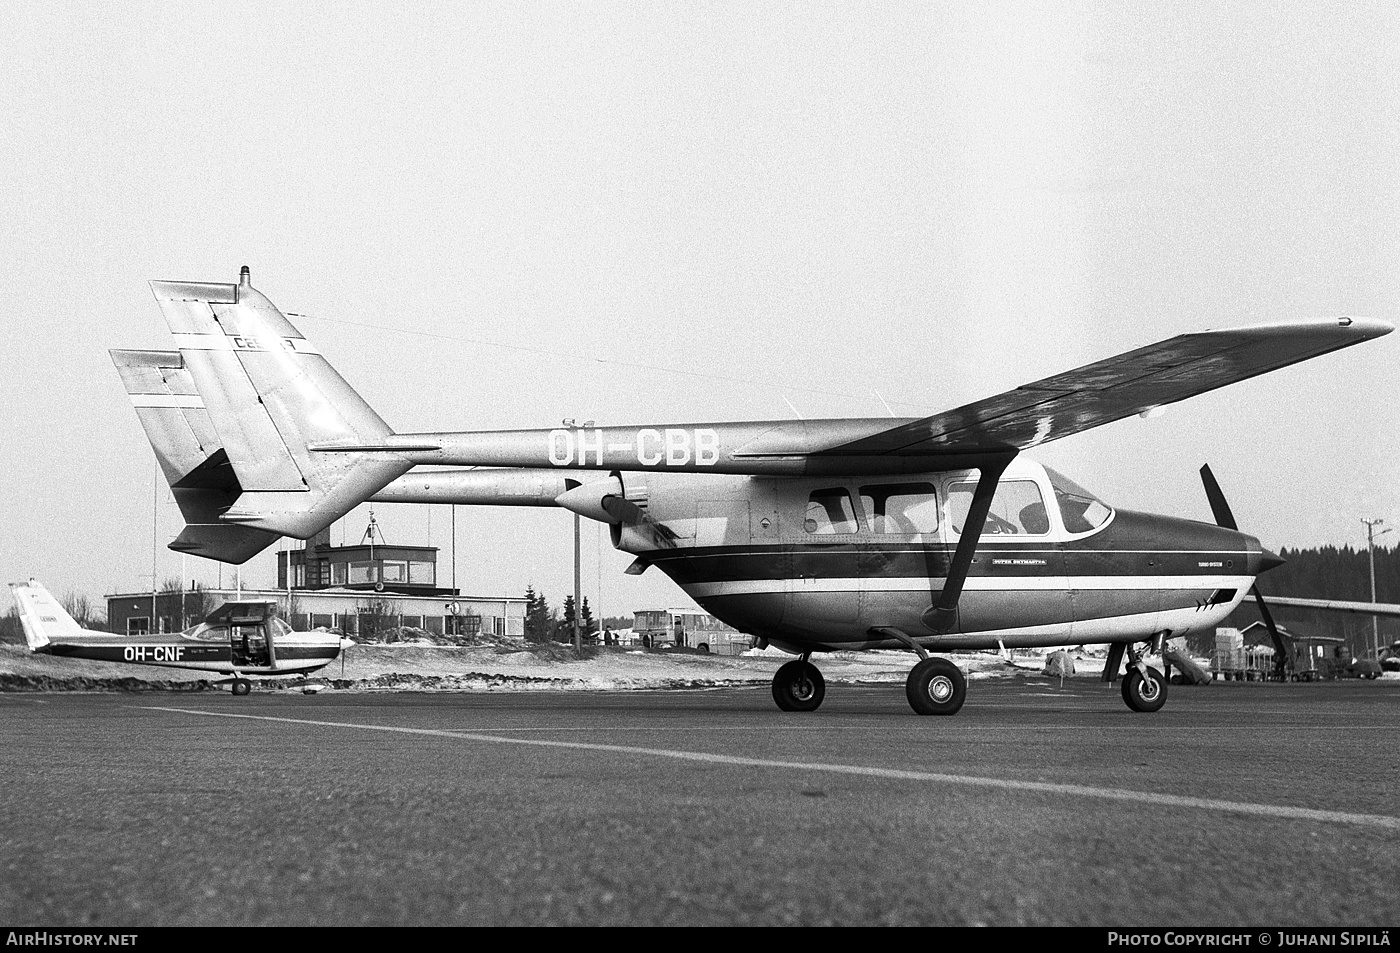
<point x="1267" y="560"/>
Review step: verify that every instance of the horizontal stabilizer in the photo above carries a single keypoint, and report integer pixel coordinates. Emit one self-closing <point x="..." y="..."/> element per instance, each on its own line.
<point x="225" y="542"/>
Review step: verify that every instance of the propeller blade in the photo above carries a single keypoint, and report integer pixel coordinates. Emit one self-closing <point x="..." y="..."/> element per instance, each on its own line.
<point x="1280" y="650"/>
<point x="1218" y="506"/>
<point x="1226" y="519"/>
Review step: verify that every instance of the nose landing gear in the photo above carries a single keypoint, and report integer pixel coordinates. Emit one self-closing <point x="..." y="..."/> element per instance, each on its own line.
<point x="1144" y="688"/>
<point x="799" y="686"/>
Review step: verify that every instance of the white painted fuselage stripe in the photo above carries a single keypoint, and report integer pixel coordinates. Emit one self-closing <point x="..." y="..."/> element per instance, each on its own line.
<point x="1037" y="787"/>
<point x="1006" y="583"/>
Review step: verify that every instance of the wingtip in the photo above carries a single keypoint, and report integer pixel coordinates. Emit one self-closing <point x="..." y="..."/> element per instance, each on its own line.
<point x="1370" y="327"/>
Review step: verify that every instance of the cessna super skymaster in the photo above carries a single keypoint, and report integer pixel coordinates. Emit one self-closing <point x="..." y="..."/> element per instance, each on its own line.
<point x="927" y="534"/>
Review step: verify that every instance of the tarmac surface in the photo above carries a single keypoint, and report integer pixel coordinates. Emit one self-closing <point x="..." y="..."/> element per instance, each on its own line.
<point x="1041" y="803"/>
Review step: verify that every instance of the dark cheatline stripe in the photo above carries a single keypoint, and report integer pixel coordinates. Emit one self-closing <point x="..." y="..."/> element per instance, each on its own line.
<point x="732" y="564"/>
<point x="145" y="653"/>
<point x="289" y="653"/>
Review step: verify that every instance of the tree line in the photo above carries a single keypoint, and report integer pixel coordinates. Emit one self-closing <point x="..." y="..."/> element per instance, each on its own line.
<point x="546" y="624"/>
<point x="1330" y="572"/>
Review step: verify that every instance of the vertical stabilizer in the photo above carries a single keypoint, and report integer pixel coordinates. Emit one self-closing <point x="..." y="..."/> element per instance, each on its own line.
<point x="44" y="620"/>
<point x="190" y="455"/>
<point x="268" y="394"/>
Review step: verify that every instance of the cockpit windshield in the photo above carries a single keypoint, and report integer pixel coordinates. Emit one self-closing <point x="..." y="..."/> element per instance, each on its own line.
<point x="1081" y="511"/>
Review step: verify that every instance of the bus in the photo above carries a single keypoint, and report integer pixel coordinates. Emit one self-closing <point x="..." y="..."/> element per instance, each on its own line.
<point x="688" y="628"/>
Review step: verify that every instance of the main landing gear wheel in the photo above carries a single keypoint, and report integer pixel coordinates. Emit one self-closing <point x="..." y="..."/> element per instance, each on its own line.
<point x="241" y="686"/>
<point x="936" y="687"/>
<point x="1144" y="694"/>
<point x="799" y="686"/>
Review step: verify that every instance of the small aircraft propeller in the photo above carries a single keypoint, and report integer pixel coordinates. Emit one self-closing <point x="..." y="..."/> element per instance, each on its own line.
<point x="1224" y="518"/>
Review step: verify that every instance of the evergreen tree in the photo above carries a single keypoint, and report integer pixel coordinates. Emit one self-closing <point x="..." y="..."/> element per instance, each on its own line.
<point x="587" y="624"/>
<point x="538" y="622"/>
<point x="564" y="630"/>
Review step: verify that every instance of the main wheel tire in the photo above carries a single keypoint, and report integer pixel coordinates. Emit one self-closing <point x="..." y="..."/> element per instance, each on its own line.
<point x="799" y="686"/>
<point x="936" y="687"/>
<point x="1144" y="695"/>
<point x="241" y="686"/>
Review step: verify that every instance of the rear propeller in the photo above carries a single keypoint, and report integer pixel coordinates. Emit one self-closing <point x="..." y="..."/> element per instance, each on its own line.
<point x="1226" y="519"/>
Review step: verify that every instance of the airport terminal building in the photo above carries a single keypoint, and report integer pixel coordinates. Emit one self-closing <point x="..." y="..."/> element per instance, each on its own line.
<point x="361" y="590"/>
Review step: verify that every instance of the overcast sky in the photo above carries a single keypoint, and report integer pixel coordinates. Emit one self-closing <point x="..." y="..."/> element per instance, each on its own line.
<point x="500" y="215"/>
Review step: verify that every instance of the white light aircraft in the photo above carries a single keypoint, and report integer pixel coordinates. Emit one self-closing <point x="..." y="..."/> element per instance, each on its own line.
<point x="244" y="640"/>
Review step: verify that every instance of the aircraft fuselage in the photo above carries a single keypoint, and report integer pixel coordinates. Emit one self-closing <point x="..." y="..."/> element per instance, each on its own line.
<point x="815" y="564"/>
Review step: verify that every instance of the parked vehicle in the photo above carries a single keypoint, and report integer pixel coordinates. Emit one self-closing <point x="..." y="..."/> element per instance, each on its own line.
<point x="1315" y="657"/>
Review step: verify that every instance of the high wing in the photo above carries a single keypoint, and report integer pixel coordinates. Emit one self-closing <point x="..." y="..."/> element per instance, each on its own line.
<point x="968" y="436"/>
<point x="1337" y="605"/>
<point x="1112" y="389"/>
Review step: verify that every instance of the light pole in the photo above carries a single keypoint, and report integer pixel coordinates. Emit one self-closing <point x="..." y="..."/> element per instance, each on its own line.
<point x="578" y="569"/>
<point x="1371" y="535"/>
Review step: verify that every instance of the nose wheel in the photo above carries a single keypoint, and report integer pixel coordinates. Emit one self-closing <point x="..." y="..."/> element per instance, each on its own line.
<point x="799" y="686"/>
<point x="1144" y="692"/>
<point x="1144" y="688"/>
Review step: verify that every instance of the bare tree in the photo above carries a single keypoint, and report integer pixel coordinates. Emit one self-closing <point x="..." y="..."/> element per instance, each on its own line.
<point x="187" y="605"/>
<point x="11" y="631"/>
<point x="81" y="608"/>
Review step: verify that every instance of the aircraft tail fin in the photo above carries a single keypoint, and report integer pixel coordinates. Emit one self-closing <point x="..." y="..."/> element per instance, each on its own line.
<point x="43" y="618"/>
<point x="190" y="455"/>
<point x="234" y="422"/>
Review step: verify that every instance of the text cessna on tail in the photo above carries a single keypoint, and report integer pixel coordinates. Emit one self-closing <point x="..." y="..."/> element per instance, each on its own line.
<point x="816" y="535"/>
<point x="240" y="639"/>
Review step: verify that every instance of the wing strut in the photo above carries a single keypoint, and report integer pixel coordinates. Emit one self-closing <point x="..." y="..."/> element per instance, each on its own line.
<point x="942" y="616"/>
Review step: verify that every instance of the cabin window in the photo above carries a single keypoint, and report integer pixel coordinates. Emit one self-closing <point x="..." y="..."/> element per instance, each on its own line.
<point x="394" y="571"/>
<point x="209" y="633"/>
<point x="830" y="512"/>
<point x="361" y="573"/>
<point x="337" y="574"/>
<point x="900" y="508"/>
<point x="1081" y="511"/>
<point x="1018" y="509"/>
<point x="421" y="573"/>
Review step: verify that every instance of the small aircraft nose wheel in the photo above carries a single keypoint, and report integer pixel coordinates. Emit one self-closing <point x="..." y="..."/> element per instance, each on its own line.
<point x="799" y="686"/>
<point x="241" y="686"/>
<point x="936" y="687"/>
<point x="1144" y="694"/>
